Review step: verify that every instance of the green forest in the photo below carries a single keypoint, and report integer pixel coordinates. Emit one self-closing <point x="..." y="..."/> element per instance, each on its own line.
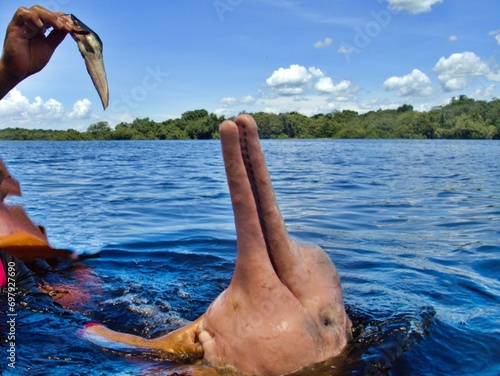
<point x="462" y="118"/>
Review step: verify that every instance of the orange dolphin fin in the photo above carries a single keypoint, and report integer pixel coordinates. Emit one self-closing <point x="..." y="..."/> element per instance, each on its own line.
<point x="181" y="343"/>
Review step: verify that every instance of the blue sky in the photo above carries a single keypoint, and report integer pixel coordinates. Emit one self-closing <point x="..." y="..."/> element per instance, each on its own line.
<point x="167" y="57"/>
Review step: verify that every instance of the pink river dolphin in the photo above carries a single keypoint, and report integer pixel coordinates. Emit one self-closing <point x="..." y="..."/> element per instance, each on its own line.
<point x="283" y="309"/>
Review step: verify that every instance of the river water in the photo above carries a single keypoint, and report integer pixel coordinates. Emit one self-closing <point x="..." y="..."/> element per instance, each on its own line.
<point x="412" y="226"/>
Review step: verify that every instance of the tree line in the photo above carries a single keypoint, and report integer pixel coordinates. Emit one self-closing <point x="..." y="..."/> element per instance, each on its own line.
<point x="462" y="118"/>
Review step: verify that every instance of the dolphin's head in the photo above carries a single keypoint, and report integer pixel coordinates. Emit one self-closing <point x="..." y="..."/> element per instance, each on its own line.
<point x="283" y="308"/>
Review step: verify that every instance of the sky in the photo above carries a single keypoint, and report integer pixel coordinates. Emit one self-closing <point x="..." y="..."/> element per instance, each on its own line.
<point x="164" y="58"/>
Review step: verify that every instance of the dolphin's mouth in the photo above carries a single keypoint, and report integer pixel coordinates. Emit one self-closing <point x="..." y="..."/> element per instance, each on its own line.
<point x="245" y="153"/>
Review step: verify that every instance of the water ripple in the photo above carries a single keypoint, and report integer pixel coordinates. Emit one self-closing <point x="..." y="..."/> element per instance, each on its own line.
<point x="409" y="224"/>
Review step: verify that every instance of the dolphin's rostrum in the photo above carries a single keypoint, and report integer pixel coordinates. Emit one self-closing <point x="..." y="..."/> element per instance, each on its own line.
<point x="90" y="46"/>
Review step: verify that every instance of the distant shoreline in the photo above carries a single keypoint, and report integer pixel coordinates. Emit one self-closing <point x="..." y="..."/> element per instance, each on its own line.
<point x="462" y="118"/>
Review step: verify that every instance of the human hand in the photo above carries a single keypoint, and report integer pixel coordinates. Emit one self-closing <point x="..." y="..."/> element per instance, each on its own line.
<point x="26" y="48"/>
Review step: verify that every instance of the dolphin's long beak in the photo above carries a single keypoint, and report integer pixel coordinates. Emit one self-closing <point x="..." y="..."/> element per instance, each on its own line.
<point x="260" y="228"/>
<point x="90" y="46"/>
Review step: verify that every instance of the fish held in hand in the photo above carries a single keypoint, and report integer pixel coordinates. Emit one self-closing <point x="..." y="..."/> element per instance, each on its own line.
<point x="90" y="46"/>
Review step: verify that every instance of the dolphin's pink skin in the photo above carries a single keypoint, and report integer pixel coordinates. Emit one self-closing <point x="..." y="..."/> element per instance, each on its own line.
<point x="13" y="219"/>
<point x="8" y="185"/>
<point x="283" y="308"/>
<point x="19" y="236"/>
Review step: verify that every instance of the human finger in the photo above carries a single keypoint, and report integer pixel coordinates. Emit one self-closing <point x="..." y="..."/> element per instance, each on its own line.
<point x="65" y="22"/>
<point x="57" y="20"/>
<point x="24" y="15"/>
<point x="37" y="19"/>
<point x="26" y="23"/>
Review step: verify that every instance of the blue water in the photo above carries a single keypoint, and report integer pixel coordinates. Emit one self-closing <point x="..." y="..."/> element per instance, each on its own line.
<point x="412" y="226"/>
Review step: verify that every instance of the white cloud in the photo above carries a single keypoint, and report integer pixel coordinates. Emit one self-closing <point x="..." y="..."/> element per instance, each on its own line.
<point x="496" y="34"/>
<point x="296" y="75"/>
<point x="81" y="109"/>
<point x="293" y="80"/>
<point x="323" y="43"/>
<point x="16" y="109"/>
<point x="300" y="89"/>
<point x="494" y="76"/>
<point x="326" y="85"/>
<point x="232" y="101"/>
<point x="316" y="72"/>
<point x="313" y="105"/>
<point x="484" y="93"/>
<point x="414" y="84"/>
<point x="346" y="50"/>
<point x="452" y="38"/>
<point x="290" y="90"/>
<point x="413" y="6"/>
<point x="459" y="70"/>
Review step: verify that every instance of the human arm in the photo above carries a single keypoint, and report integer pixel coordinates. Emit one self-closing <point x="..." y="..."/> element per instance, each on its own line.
<point x="26" y="48"/>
